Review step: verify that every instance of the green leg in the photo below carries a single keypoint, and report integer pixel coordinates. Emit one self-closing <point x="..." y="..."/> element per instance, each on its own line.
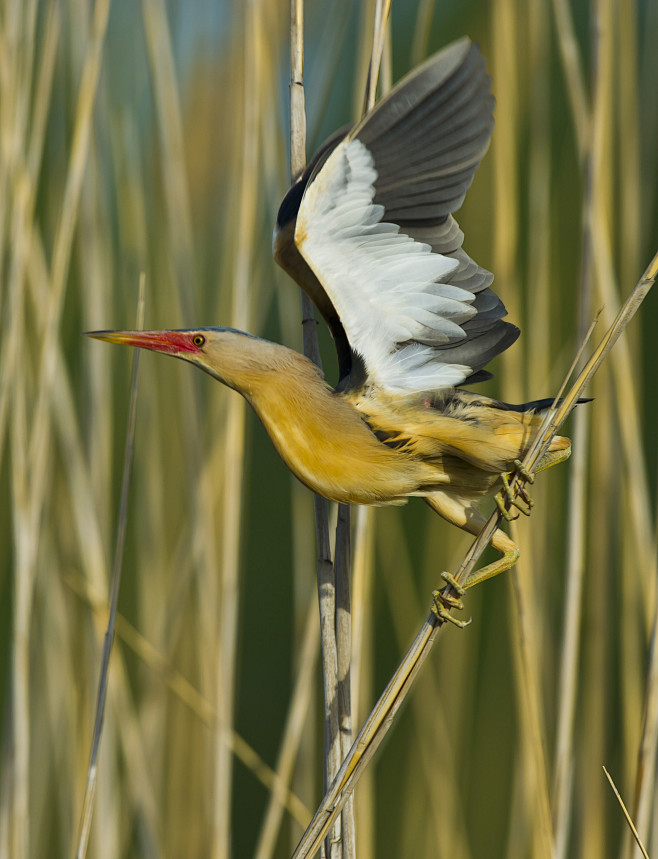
<point x="553" y="457"/>
<point x="466" y="517"/>
<point x="469" y="519"/>
<point x="444" y="600"/>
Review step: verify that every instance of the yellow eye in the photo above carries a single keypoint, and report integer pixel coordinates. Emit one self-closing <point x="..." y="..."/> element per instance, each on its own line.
<point x="198" y="340"/>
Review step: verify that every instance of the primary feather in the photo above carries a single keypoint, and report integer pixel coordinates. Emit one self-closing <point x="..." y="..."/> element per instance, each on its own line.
<point x="375" y="243"/>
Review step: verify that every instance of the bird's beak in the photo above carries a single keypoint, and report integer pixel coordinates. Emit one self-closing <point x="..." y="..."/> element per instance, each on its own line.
<point x="170" y="342"/>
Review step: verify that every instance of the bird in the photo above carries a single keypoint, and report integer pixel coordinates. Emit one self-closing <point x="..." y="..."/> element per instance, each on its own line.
<point x="368" y="232"/>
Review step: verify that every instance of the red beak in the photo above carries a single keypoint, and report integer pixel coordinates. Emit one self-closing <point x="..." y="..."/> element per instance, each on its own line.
<point x="170" y="342"/>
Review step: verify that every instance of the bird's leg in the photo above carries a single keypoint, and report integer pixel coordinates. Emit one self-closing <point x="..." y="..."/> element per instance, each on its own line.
<point x="509" y="556"/>
<point x="549" y="459"/>
<point x="506" y="494"/>
<point x="500" y="541"/>
<point x="468" y="519"/>
<point x="553" y="457"/>
<point x="445" y="600"/>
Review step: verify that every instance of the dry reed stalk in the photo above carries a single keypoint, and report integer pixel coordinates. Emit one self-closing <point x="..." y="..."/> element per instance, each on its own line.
<point x="422" y="31"/>
<point x="625" y="221"/>
<point x="24" y="589"/>
<point x="645" y="780"/>
<point x="175" y="275"/>
<point x="648" y="27"/>
<point x="625" y="396"/>
<point x="342" y="552"/>
<point x="325" y="568"/>
<point x="626" y="27"/>
<point x="295" y="722"/>
<point x="343" y="627"/>
<point x="167" y="565"/>
<point x="434" y="736"/>
<point x="302" y="748"/>
<point x="235" y="439"/>
<point x="170" y="126"/>
<point x="383" y="715"/>
<point x="362" y="660"/>
<point x="29" y="471"/>
<point x="382" y="11"/>
<point x="635" y="555"/>
<point x="189" y="695"/>
<point x="533" y="735"/>
<point x="92" y="774"/>
<point x="577" y="523"/>
<point x="645" y="770"/>
<point x="23" y="170"/>
<point x="643" y="544"/>
<point x="20" y="166"/>
<point x="538" y="275"/>
<point x="90" y="543"/>
<point x="65" y="233"/>
<point x="627" y="816"/>
<point x="573" y="72"/>
<point x="526" y="617"/>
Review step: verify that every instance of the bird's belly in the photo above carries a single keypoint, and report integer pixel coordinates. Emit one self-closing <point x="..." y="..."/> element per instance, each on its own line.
<point x="352" y="469"/>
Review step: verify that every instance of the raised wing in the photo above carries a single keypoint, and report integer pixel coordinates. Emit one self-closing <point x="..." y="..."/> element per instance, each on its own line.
<point x="375" y="228"/>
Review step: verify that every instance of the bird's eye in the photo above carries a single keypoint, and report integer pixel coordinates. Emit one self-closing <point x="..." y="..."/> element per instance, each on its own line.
<point x="198" y="340"/>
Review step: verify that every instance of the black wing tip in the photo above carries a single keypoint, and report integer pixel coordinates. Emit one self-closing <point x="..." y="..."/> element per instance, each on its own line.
<point x="541" y="405"/>
<point x="290" y="204"/>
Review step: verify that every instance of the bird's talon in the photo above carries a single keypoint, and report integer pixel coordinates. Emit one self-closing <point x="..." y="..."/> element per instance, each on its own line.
<point x="454" y="584"/>
<point x="525" y="496"/>
<point x="443" y="601"/>
<point x="448" y="598"/>
<point x="442" y="611"/>
<point x="523" y="471"/>
<point x="452" y="602"/>
<point x="499" y="498"/>
<point x="506" y="494"/>
<point x="524" y="510"/>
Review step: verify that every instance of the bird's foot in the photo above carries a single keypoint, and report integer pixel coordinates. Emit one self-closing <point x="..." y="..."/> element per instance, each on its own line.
<point x="445" y="600"/>
<point x="521" y="501"/>
<point x="520" y="469"/>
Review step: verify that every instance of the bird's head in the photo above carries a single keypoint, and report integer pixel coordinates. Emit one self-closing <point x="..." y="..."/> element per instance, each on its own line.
<point x="237" y="359"/>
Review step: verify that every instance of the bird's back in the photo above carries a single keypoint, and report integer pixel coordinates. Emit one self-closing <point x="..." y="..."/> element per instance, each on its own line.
<point x="473" y="439"/>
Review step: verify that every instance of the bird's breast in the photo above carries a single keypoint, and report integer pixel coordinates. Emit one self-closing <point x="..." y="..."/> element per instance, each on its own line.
<point x="328" y="446"/>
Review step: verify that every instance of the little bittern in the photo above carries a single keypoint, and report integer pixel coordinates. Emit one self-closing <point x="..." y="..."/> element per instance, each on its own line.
<point x="368" y="233"/>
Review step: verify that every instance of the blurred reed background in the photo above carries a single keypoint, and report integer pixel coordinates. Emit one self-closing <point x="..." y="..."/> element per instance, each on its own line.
<point x="152" y="137"/>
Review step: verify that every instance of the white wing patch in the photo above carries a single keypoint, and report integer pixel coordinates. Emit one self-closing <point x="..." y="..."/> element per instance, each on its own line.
<point x="382" y="283"/>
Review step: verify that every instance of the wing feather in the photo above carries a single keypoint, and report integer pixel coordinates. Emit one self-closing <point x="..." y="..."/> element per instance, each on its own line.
<point x="375" y="227"/>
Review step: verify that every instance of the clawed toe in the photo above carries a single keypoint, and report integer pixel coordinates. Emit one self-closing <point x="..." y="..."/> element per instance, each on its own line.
<point x="523" y="471"/>
<point x="444" y="601"/>
<point x="524" y="505"/>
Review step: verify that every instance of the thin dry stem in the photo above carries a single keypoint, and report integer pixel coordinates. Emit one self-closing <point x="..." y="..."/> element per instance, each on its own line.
<point x="92" y="774"/>
<point x="295" y="721"/>
<point x="572" y="611"/>
<point x="644" y="784"/>
<point x="621" y="366"/>
<point x="629" y="820"/>
<point x="325" y="569"/>
<point x="227" y="633"/>
<point x="507" y="70"/>
<point x="30" y="469"/>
